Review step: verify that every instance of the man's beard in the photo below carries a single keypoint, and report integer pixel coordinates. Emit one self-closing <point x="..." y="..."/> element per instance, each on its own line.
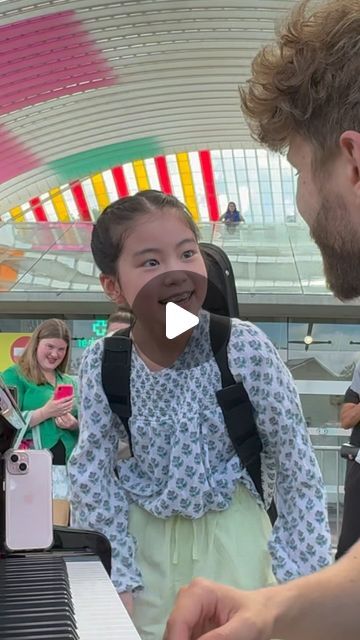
<point x="339" y="242"/>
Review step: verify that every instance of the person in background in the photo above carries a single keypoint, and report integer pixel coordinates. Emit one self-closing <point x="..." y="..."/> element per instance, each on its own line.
<point x="350" y="419"/>
<point x="120" y="319"/>
<point x="303" y="98"/>
<point x="232" y="217"/>
<point x="40" y="369"/>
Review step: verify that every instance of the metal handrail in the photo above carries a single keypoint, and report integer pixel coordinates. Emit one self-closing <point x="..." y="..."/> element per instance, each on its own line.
<point x="338" y="487"/>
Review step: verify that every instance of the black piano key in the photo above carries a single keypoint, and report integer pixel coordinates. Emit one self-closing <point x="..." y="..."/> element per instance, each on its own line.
<point x="10" y="616"/>
<point x="32" y="598"/>
<point x="40" y="629"/>
<point x="35" y="598"/>
<point x="29" y="599"/>
<point x="36" y="585"/>
<point x="40" y="635"/>
<point x="45" y="629"/>
<point x="12" y="607"/>
<point x="11" y="613"/>
<point x="25" y="590"/>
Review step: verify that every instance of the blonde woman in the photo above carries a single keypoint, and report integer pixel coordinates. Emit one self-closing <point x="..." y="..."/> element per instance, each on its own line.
<point x="40" y="370"/>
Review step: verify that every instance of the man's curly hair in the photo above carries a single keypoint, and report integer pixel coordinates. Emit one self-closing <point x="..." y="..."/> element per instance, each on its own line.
<point x="308" y="82"/>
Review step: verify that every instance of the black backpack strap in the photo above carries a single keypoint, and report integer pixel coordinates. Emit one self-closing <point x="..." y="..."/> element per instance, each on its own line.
<point x="235" y="404"/>
<point x="115" y="373"/>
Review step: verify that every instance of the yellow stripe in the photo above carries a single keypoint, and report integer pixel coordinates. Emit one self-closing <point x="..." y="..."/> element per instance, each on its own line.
<point x="141" y="175"/>
<point x="187" y="184"/>
<point x="17" y="214"/>
<point x="101" y="193"/>
<point x="59" y="205"/>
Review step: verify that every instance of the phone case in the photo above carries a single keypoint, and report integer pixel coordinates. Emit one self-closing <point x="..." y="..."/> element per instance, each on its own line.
<point x="63" y="391"/>
<point x="28" y="499"/>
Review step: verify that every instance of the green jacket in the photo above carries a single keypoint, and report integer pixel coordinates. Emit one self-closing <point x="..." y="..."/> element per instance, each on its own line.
<point x="33" y="396"/>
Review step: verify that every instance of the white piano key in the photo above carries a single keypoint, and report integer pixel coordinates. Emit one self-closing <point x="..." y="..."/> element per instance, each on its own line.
<point x="99" y="611"/>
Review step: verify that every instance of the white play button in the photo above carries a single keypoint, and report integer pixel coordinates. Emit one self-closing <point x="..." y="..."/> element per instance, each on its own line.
<point x="178" y="320"/>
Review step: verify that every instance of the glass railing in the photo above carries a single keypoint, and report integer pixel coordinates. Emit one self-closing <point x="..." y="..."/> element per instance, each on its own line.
<point x="274" y="258"/>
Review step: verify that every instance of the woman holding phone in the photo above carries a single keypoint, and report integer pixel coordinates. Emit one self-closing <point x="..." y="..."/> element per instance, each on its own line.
<point x="46" y="395"/>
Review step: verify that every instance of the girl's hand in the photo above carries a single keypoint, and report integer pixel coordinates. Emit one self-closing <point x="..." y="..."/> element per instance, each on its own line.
<point x="67" y="421"/>
<point x="128" y="601"/>
<point x="55" y="408"/>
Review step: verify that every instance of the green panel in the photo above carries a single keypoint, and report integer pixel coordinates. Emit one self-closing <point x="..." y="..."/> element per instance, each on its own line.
<point x="86" y="163"/>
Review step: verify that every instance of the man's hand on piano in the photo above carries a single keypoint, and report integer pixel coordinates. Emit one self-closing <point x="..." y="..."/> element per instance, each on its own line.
<point x="208" y="610"/>
<point x="128" y="601"/>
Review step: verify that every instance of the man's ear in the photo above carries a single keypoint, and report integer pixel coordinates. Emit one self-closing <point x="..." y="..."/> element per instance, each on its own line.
<point x="112" y="288"/>
<point x="350" y="147"/>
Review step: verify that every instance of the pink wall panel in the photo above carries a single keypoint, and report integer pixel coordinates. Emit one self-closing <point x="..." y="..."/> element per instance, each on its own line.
<point x="47" y="57"/>
<point x="15" y="158"/>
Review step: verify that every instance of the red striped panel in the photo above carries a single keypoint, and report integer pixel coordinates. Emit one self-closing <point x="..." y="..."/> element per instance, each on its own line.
<point x="80" y="201"/>
<point x="15" y="158"/>
<point x="38" y="209"/>
<point x="48" y="57"/>
<point x="120" y="181"/>
<point x="209" y="185"/>
<point x="163" y="174"/>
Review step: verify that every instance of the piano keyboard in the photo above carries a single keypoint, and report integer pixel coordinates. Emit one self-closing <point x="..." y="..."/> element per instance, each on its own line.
<point x="49" y="597"/>
<point x="99" y="612"/>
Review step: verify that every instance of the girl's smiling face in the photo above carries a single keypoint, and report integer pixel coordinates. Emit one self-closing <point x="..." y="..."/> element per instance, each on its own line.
<point x="160" y="262"/>
<point x="50" y="353"/>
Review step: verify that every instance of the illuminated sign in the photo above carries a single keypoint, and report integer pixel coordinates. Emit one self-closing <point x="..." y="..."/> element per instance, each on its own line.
<point x="82" y="343"/>
<point x="98" y="329"/>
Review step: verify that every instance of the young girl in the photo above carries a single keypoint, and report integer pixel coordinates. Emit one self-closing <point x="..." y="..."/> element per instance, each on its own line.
<point x="183" y="505"/>
<point x="40" y="369"/>
<point x="232" y="217"/>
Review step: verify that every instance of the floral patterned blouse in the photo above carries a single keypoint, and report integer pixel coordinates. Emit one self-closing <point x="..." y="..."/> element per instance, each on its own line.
<point x="184" y="462"/>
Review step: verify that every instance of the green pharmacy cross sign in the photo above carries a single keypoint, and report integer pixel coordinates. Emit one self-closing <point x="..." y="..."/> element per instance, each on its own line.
<point x="98" y="329"/>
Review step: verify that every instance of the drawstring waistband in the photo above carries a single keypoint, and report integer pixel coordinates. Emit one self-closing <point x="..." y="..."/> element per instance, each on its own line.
<point x="195" y="554"/>
<point x="177" y="524"/>
<point x="174" y="523"/>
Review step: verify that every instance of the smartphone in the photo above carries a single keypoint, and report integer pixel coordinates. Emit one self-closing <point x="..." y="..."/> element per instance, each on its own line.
<point x="63" y="391"/>
<point x="28" y="499"/>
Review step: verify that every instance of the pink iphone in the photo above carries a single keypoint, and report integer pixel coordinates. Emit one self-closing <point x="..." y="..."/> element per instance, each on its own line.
<point x="63" y="391"/>
<point x="28" y="499"/>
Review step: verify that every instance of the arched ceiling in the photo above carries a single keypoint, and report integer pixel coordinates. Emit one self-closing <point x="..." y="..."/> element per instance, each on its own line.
<point x="88" y="84"/>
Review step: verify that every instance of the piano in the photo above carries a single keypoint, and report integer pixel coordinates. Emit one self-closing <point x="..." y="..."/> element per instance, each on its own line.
<point x="62" y="595"/>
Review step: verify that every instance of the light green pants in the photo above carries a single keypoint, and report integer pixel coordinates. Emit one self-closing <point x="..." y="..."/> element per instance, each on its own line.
<point x="226" y="546"/>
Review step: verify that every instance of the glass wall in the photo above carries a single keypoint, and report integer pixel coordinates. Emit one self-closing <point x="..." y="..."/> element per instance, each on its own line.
<point x="321" y="356"/>
<point x="262" y="184"/>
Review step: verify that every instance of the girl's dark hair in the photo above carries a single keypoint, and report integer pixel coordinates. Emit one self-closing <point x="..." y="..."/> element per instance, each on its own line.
<point x="109" y="232"/>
